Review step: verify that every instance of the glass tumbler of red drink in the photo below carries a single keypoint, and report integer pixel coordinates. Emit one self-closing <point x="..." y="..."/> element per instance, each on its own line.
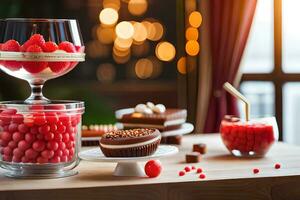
<point x="249" y="138"/>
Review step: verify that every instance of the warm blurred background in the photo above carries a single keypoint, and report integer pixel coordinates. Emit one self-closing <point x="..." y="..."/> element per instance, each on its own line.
<point x="149" y="50"/>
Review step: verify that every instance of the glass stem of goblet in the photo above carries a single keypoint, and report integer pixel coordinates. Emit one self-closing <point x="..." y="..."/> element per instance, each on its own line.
<point x="37" y="96"/>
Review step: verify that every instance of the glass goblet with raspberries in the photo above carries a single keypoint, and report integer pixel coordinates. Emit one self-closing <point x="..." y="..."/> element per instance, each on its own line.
<point x="37" y="50"/>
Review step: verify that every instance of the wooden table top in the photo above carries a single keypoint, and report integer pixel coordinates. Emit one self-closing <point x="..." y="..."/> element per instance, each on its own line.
<point x="227" y="177"/>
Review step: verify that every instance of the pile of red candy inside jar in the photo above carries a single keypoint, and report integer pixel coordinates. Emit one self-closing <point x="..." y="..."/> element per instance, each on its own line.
<point x="37" y="44"/>
<point x="38" y="137"/>
<point x="247" y="137"/>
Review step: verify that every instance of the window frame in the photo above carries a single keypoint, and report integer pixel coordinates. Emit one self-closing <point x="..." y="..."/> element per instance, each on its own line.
<point x="278" y="77"/>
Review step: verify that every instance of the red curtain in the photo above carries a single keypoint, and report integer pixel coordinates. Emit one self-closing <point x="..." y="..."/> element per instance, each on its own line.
<point x="230" y="25"/>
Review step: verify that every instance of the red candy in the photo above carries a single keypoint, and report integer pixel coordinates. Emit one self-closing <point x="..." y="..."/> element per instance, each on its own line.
<point x="247" y="137"/>
<point x="199" y="170"/>
<point x="153" y="168"/>
<point x="31" y="154"/>
<point x="47" y="154"/>
<point x="255" y="171"/>
<point x="37" y="138"/>
<point x="187" y="169"/>
<point x="202" y="176"/>
<point x="277" y="166"/>
<point x="181" y="173"/>
<point x="38" y="145"/>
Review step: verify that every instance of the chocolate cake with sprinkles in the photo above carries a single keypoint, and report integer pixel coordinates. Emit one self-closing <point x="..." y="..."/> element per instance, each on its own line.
<point x="130" y="143"/>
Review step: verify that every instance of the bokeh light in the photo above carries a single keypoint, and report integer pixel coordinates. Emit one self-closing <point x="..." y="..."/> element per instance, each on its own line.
<point x="115" y="4"/>
<point x="165" y="51"/>
<point x="137" y="7"/>
<point x="95" y="49"/>
<point x="191" y="33"/>
<point x="106" y="73"/>
<point x="140" y="32"/>
<point x="108" y="16"/>
<point x="124" y="30"/>
<point x="195" y="19"/>
<point x="158" y="32"/>
<point x="157" y="66"/>
<point x="121" y="59"/>
<point x="143" y="68"/>
<point x="121" y="53"/>
<point x="106" y="35"/>
<point x="140" y="50"/>
<point x="192" y="47"/>
<point x="122" y="44"/>
<point x="150" y="29"/>
<point x="181" y="65"/>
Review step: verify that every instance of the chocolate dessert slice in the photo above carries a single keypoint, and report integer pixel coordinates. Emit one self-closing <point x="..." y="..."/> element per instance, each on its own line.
<point x="130" y="143"/>
<point x="171" y="119"/>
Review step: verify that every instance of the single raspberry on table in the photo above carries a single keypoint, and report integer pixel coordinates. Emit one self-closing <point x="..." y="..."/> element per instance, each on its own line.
<point x="181" y="173"/>
<point x="277" y="166"/>
<point x="255" y="170"/>
<point x="153" y="168"/>
<point x="202" y="176"/>
<point x="36" y="39"/>
<point x="34" y="67"/>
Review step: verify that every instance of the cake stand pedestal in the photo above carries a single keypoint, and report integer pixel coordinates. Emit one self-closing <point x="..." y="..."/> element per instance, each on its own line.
<point x="127" y="166"/>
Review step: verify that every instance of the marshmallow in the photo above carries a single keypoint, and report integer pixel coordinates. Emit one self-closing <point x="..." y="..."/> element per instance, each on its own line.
<point x="140" y="108"/>
<point x="159" y="108"/>
<point x="150" y="105"/>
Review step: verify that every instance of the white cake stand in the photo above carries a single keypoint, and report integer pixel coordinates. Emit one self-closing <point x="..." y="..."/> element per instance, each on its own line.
<point x="127" y="166"/>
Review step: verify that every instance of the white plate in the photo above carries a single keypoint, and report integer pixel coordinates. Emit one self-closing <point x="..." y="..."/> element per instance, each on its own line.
<point x="127" y="166"/>
<point x="186" y="128"/>
<point x="96" y="155"/>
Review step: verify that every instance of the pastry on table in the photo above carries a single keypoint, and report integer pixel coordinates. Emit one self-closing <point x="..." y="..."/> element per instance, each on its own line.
<point x="130" y="143"/>
<point x="152" y="116"/>
<point x="89" y="133"/>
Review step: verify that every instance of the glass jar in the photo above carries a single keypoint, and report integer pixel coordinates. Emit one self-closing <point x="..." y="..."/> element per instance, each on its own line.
<point x="40" y="140"/>
<point x="249" y="139"/>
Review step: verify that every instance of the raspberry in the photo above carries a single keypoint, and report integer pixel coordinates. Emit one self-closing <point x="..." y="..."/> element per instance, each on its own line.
<point x="35" y="39"/>
<point x="11" y="45"/>
<point x="50" y="47"/>
<point x="67" y="46"/>
<point x="58" y="67"/>
<point x="34" y="67"/>
<point x="202" y="176"/>
<point x="199" y="170"/>
<point x="255" y="171"/>
<point x="181" y="173"/>
<point x="193" y="167"/>
<point x="277" y="166"/>
<point x="187" y="169"/>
